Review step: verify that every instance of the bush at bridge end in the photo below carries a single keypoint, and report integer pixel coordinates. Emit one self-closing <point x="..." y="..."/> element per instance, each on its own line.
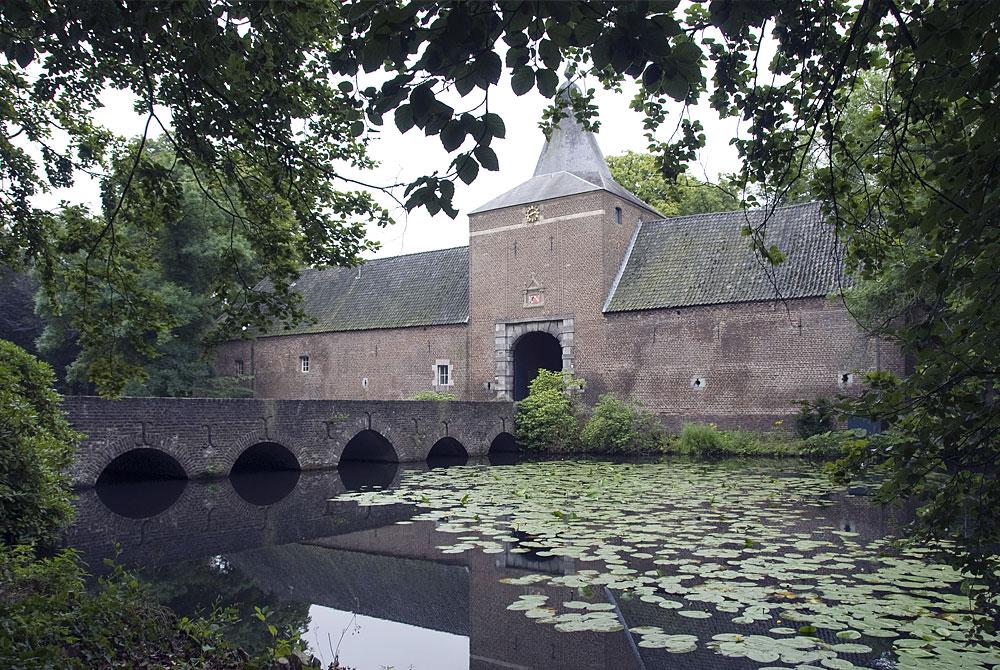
<point x="36" y="447"/>
<point x="546" y="420"/>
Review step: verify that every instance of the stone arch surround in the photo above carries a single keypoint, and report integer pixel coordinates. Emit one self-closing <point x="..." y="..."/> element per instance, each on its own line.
<point x="207" y="435"/>
<point x="508" y="333"/>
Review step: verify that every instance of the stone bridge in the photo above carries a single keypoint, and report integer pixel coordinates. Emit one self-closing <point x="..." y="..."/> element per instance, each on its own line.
<point x="207" y="437"/>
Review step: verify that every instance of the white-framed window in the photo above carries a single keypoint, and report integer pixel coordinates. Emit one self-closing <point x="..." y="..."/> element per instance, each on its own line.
<point x="239" y="367"/>
<point x="304" y="363"/>
<point x="442" y="373"/>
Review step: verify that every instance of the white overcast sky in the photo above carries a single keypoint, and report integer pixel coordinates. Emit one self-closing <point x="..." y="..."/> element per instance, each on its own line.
<point x="403" y="157"/>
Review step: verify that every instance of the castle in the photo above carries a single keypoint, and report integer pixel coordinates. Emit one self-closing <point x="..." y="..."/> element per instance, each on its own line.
<point x="571" y="271"/>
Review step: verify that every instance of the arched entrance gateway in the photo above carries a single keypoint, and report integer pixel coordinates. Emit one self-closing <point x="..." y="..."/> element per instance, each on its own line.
<point x="533" y="352"/>
<point x="523" y="348"/>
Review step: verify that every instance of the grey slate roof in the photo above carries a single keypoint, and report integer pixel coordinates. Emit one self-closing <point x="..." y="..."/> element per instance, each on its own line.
<point x="425" y="289"/>
<point x="704" y="260"/>
<point x="570" y="163"/>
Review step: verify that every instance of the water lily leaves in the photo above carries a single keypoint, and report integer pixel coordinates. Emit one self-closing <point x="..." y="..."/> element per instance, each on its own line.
<point x="527" y="602"/>
<point x="848" y="648"/>
<point x="675" y="644"/>
<point x="733" y="548"/>
<point x="694" y="614"/>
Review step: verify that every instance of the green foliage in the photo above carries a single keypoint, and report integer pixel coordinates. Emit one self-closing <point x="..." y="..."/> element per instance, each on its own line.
<point x="546" y="420"/>
<point x="640" y="174"/>
<point x="619" y="426"/>
<point x="833" y="444"/>
<point x="433" y="395"/>
<point x="36" y="447"/>
<point x="233" y="87"/>
<point x="53" y="619"/>
<point x="177" y="248"/>
<point x="701" y="440"/>
<point x="707" y="441"/>
<point x="224" y="387"/>
<point x="815" y="418"/>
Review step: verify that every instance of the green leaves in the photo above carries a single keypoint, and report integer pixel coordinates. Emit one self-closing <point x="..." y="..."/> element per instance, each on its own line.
<point x="523" y="80"/>
<point x="466" y="167"/>
<point x="24" y="54"/>
<point x="487" y="158"/>
<point x="403" y="117"/>
<point x="548" y="82"/>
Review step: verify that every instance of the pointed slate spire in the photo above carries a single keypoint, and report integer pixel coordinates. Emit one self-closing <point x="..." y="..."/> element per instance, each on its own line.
<point x="570" y="163"/>
<point x="572" y="149"/>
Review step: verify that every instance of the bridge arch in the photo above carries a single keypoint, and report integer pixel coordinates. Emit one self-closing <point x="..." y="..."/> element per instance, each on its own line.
<point x="142" y="463"/>
<point x="447" y="451"/>
<point x="371" y="446"/>
<point x="141" y="483"/>
<point x="265" y="456"/>
<point x="503" y="443"/>
<point x="265" y="473"/>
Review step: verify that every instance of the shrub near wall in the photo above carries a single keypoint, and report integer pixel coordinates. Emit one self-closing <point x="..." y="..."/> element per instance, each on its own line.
<point x="547" y="419"/>
<point x="619" y="426"/>
<point x="36" y="447"/>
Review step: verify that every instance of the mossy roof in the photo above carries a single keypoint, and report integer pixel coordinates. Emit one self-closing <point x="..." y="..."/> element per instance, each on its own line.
<point x="424" y="289"/>
<point x="705" y="260"/>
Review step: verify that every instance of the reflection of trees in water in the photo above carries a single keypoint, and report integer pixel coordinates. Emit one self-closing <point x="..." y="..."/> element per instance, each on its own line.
<point x="199" y="586"/>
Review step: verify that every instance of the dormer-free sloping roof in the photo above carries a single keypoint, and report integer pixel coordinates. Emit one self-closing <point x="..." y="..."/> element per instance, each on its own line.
<point x="570" y="163"/>
<point x="704" y="260"/>
<point x="425" y="289"/>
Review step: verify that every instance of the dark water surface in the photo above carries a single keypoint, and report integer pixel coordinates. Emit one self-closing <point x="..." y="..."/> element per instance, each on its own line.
<point x="560" y="564"/>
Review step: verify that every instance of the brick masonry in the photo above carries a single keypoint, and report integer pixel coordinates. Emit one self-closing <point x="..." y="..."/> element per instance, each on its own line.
<point x="207" y="435"/>
<point x="740" y="364"/>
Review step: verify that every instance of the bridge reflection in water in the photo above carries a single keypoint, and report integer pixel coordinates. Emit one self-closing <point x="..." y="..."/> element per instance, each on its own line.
<point x="276" y="539"/>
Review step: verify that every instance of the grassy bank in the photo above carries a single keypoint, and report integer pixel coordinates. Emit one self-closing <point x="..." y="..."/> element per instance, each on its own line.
<point x="707" y="441"/>
<point x="552" y="420"/>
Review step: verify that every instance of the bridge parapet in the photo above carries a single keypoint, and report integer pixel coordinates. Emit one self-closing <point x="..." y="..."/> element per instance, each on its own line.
<point x="207" y="435"/>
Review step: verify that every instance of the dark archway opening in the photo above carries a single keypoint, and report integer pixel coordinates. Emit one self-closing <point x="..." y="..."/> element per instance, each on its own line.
<point x="369" y="446"/>
<point x="265" y="473"/>
<point x="533" y="352"/>
<point x="446" y="452"/>
<point x="265" y="457"/>
<point x="368" y="461"/>
<point x="141" y="483"/>
<point x="503" y="450"/>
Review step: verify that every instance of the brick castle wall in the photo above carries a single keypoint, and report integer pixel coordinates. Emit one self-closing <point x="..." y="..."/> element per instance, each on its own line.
<point x="752" y="361"/>
<point x="397" y="363"/>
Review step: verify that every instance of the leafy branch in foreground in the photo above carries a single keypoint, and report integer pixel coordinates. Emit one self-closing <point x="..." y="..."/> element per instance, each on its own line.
<point x="239" y="90"/>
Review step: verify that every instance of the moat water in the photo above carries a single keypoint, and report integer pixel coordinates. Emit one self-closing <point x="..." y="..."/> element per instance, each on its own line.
<point x="556" y="564"/>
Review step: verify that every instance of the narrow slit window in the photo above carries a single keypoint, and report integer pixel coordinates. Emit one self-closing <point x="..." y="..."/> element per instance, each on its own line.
<point x="618" y="215"/>
<point x="304" y="363"/>
<point x="239" y="367"/>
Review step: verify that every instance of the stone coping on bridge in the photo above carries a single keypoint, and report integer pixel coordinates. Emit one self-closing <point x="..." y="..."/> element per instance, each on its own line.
<point x="206" y="436"/>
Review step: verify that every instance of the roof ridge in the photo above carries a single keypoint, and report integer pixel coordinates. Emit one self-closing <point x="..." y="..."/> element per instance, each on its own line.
<point x="417" y="253"/>
<point x="681" y="218"/>
<point x="368" y="261"/>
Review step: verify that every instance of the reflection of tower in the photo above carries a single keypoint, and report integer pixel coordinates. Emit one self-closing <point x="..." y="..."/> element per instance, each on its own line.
<point x="522" y="556"/>
<point x="542" y="258"/>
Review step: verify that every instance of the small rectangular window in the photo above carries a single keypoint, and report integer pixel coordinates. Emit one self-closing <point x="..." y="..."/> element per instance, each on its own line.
<point x="304" y="363"/>
<point x="618" y="215"/>
<point x="443" y="375"/>
<point x="239" y="367"/>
